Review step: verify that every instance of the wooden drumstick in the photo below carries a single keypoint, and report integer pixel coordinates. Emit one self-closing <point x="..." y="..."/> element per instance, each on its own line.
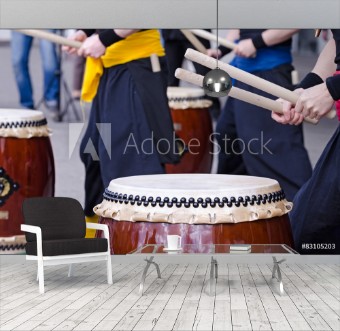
<point x="155" y="65"/>
<point x="51" y="37"/>
<point x="295" y="77"/>
<point x="212" y="37"/>
<point x="247" y="78"/>
<point x="194" y="41"/>
<point x="237" y="93"/>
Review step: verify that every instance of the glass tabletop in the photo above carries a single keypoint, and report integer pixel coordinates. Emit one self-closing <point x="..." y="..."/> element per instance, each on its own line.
<point x="217" y="249"/>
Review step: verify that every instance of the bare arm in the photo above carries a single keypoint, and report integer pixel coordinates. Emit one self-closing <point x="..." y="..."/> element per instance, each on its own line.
<point x="95" y="45"/>
<point x="315" y="101"/>
<point x="273" y="37"/>
<point x="123" y="33"/>
<point x="325" y="65"/>
<point x="247" y="47"/>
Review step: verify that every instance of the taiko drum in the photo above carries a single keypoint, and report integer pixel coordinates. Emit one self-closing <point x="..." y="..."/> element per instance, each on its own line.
<point x="192" y="123"/>
<point x="201" y="208"/>
<point x="26" y="170"/>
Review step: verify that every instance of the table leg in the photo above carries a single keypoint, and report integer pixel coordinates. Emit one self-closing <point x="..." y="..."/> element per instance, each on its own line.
<point x="277" y="270"/>
<point x="213" y="274"/>
<point x="216" y="269"/>
<point x="148" y="263"/>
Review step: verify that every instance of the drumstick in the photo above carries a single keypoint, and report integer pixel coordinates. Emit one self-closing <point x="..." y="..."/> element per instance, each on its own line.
<point x="51" y="37"/>
<point x="212" y="37"/>
<point x="194" y="41"/>
<point x="237" y="93"/>
<point x="295" y="77"/>
<point x="247" y="78"/>
<point x="155" y="65"/>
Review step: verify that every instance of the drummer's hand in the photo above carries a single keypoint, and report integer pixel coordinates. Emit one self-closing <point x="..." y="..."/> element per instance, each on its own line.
<point x="213" y="52"/>
<point x="289" y="116"/>
<point x="245" y="48"/>
<point x="77" y="36"/>
<point x="92" y="47"/>
<point x="315" y="102"/>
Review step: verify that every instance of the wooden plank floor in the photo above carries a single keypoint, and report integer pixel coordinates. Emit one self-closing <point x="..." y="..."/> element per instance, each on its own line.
<point x="245" y="298"/>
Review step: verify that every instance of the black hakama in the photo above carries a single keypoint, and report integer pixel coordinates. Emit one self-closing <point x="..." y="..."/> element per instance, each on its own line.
<point x="258" y="146"/>
<point x="133" y="100"/>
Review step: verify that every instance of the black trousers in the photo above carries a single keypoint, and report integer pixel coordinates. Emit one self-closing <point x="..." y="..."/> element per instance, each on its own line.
<point x="315" y="218"/>
<point x="118" y="141"/>
<point x="251" y="143"/>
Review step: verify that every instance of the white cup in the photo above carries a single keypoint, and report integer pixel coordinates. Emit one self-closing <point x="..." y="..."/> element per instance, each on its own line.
<point x="174" y="241"/>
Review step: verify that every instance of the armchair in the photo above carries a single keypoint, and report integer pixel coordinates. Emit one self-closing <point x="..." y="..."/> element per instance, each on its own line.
<point x="55" y="234"/>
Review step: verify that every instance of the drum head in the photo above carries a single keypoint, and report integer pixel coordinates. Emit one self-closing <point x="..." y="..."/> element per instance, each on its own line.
<point x="23" y="123"/>
<point x="174" y="92"/>
<point x="185" y="97"/>
<point x="20" y="115"/>
<point x="193" y="198"/>
<point x="193" y="185"/>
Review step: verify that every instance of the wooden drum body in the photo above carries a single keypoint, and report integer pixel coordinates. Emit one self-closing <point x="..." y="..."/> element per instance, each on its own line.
<point x="202" y="209"/>
<point x="26" y="170"/>
<point x="192" y="123"/>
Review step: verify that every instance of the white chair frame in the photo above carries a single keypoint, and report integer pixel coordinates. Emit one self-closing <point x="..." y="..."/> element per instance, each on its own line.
<point x="68" y="259"/>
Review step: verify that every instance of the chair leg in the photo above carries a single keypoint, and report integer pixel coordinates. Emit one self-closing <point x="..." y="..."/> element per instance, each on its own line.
<point x="41" y="276"/>
<point x="109" y="269"/>
<point x="37" y="274"/>
<point x="70" y="270"/>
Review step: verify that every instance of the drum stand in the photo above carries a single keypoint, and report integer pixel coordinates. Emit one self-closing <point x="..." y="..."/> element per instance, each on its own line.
<point x="63" y="85"/>
<point x="69" y="100"/>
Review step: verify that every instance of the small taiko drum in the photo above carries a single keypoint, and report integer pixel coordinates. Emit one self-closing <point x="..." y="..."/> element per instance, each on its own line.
<point x="26" y="170"/>
<point x="201" y="208"/>
<point x="192" y="123"/>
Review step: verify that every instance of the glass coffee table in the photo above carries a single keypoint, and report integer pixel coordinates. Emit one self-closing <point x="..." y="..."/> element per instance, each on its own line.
<point x="215" y="251"/>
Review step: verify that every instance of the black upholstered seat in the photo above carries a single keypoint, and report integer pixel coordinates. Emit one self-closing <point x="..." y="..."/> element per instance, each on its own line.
<point x="68" y="247"/>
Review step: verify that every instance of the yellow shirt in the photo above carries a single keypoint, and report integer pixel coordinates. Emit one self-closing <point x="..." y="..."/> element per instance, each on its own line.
<point x="136" y="46"/>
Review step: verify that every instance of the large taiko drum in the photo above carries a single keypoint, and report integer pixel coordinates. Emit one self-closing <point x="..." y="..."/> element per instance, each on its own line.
<point x="192" y="123"/>
<point x="26" y="170"/>
<point x="201" y="208"/>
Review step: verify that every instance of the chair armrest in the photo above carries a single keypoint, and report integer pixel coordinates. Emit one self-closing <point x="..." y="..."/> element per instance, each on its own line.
<point x="31" y="228"/>
<point x="37" y="230"/>
<point x="101" y="227"/>
<point x="96" y="226"/>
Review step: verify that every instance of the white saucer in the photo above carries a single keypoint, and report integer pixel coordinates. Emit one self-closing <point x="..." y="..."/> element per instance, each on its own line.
<point x="172" y="250"/>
